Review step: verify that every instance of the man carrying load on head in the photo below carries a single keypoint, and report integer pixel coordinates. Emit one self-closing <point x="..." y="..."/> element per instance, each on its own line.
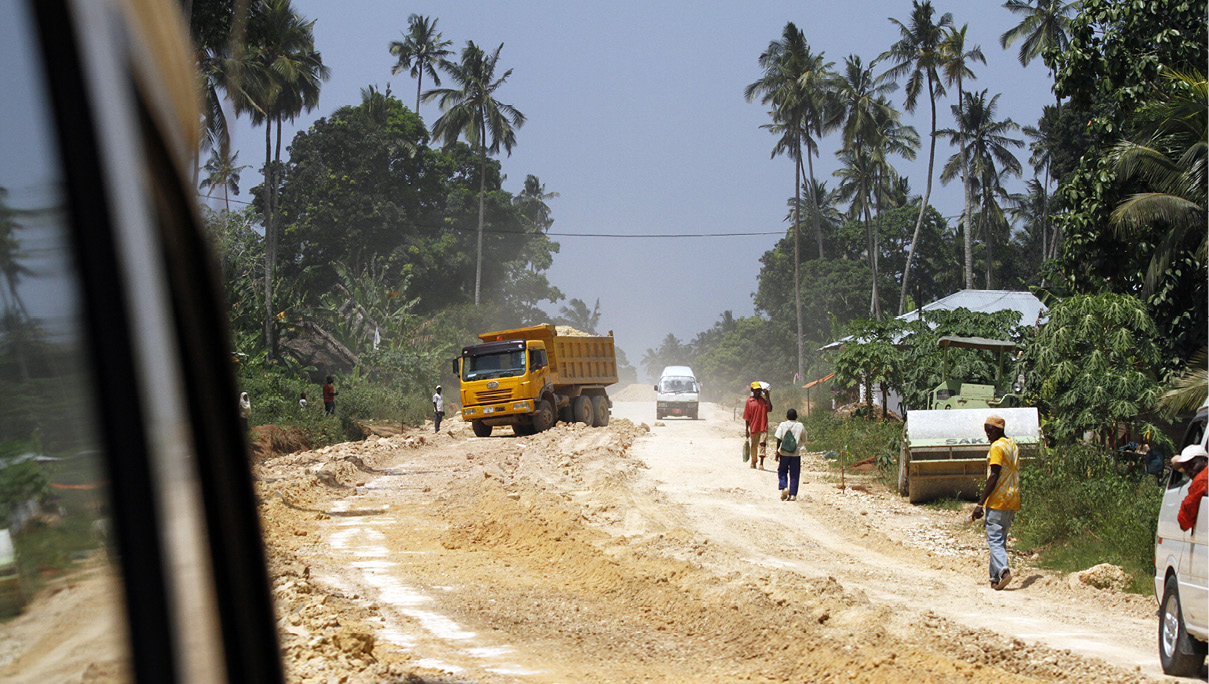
<point x="1001" y="495"/>
<point x="755" y="420"/>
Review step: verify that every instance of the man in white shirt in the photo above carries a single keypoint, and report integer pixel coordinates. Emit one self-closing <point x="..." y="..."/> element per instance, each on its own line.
<point x="438" y="409"/>
<point x="790" y="435"/>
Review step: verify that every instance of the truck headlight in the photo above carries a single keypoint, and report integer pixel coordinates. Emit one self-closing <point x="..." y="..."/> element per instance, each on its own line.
<point x="469" y="411"/>
<point x="521" y="406"/>
<point x="489" y="409"/>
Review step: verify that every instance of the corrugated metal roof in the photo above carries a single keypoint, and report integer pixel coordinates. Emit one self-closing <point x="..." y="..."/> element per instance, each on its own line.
<point x="1032" y="311"/>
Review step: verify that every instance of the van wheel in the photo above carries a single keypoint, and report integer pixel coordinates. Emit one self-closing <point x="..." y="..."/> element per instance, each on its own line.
<point x="1180" y="654"/>
<point x="583" y="410"/>
<point x="543" y="416"/>
<point x="600" y="410"/>
<point x="480" y="428"/>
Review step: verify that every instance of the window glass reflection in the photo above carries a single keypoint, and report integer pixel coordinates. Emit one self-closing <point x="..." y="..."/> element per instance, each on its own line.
<point x="61" y="616"/>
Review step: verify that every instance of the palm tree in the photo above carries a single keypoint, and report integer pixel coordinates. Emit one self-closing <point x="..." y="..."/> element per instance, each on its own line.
<point x="577" y="315"/>
<point x="820" y="204"/>
<point x="917" y="55"/>
<point x="985" y="143"/>
<point x="797" y="84"/>
<point x="955" y="57"/>
<point x="892" y="138"/>
<point x="1044" y="141"/>
<point x="471" y="111"/>
<point x="1031" y="209"/>
<point x="222" y="172"/>
<point x="276" y="78"/>
<point x="12" y="260"/>
<point x="1043" y="27"/>
<point x="861" y="98"/>
<point x="421" y="51"/>
<point x="1170" y="165"/>
<point x="532" y="199"/>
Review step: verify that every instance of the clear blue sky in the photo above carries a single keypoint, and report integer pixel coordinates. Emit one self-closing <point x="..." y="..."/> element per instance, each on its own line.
<point x="636" y="118"/>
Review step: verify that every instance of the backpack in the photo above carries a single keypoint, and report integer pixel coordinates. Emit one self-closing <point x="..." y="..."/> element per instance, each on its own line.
<point x="789" y="443"/>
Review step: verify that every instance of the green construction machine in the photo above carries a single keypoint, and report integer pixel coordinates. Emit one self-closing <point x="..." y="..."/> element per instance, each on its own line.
<point x="944" y="447"/>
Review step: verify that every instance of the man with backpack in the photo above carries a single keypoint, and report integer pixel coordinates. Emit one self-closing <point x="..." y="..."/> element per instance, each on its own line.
<point x="790" y="435"/>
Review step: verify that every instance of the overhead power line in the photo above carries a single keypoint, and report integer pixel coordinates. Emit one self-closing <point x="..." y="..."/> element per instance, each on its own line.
<point x="495" y="231"/>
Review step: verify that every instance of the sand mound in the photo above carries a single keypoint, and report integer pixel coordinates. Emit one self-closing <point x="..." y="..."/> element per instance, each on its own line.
<point x="1102" y="576"/>
<point x="635" y="392"/>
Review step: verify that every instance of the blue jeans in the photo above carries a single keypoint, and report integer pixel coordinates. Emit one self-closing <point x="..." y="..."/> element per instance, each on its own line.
<point x="791" y="466"/>
<point x="998" y="523"/>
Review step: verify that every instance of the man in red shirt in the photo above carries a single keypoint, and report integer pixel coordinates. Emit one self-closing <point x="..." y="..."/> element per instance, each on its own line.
<point x="1191" y="462"/>
<point x="755" y="421"/>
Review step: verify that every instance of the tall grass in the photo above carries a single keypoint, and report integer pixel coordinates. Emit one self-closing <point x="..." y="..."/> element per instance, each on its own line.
<point x="274" y="395"/>
<point x="856" y="439"/>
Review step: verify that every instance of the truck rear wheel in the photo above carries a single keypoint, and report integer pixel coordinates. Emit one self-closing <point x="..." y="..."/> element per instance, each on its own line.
<point x="543" y="416"/>
<point x="480" y="428"/>
<point x="600" y="410"/>
<point x="583" y="410"/>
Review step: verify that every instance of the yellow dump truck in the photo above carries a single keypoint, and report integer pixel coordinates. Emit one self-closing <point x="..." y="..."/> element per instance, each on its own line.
<point x="532" y="377"/>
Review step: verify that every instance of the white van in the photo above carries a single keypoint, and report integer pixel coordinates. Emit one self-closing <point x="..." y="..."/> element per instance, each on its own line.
<point x="677" y="393"/>
<point x="1181" y="571"/>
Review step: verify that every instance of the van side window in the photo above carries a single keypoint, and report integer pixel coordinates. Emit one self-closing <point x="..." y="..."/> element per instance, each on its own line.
<point x="56" y="540"/>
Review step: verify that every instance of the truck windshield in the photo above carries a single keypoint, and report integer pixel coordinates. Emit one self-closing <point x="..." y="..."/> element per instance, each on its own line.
<point x="677" y="385"/>
<point x="502" y="365"/>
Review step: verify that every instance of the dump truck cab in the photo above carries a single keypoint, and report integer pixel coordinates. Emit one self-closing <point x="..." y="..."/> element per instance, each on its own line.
<point x="532" y="377"/>
<point x="502" y="379"/>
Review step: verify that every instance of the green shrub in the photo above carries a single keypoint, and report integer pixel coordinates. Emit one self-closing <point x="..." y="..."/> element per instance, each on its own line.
<point x="1078" y="510"/>
<point x="856" y="439"/>
<point x="274" y="394"/>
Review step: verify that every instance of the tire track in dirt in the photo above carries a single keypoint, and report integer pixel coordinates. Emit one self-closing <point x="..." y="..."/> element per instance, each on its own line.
<point x="556" y="558"/>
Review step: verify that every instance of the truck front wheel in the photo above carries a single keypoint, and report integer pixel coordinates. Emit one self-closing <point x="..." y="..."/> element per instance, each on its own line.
<point x="481" y="429"/>
<point x="543" y="416"/>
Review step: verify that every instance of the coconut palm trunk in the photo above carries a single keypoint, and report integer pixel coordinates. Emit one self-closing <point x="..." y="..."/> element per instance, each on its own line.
<point x="797" y="256"/>
<point x="269" y="246"/>
<point x="923" y="207"/>
<point x="967" y="189"/>
<point x="814" y="207"/>
<point x="478" y="267"/>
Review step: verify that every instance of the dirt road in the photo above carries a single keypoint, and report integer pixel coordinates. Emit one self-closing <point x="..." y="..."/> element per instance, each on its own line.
<point x="629" y="553"/>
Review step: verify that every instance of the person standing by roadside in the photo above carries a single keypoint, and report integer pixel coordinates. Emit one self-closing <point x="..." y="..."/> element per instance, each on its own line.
<point x="1001" y="495"/>
<point x="329" y="396"/>
<point x="790" y="435"/>
<point x="438" y="409"/>
<point x="755" y="421"/>
<point x="1191" y="462"/>
<point x="245" y="411"/>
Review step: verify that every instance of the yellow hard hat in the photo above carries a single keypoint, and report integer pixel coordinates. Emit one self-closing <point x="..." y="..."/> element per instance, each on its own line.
<point x="755" y="385"/>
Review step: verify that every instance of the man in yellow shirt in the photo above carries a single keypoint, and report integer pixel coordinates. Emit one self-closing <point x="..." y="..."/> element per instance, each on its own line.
<point x="1001" y="497"/>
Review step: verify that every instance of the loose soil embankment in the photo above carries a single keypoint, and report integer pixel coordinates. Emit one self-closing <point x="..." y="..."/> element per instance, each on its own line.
<point x="632" y="553"/>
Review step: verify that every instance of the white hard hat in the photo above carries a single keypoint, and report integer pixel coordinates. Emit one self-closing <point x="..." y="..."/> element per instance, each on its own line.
<point x="1190" y="452"/>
